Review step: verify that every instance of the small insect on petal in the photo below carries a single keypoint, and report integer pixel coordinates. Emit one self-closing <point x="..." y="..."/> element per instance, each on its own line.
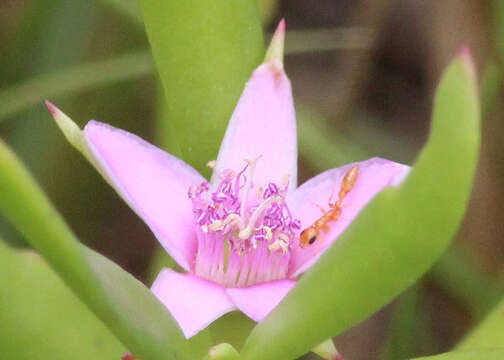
<point x="310" y="234"/>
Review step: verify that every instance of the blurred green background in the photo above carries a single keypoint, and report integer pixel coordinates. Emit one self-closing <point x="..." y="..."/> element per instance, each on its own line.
<point x="363" y="75"/>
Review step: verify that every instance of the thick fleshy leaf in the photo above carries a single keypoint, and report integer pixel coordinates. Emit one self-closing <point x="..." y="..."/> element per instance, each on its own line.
<point x="204" y="53"/>
<point x="393" y="241"/>
<point x="408" y="329"/>
<point x="456" y="273"/>
<point x="32" y="301"/>
<point x="257" y="301"/>
<point x="263" y="125"/>
<point x="192" y="301"/>
<point x="307" y="200"/>
<point x="232" y="328"/>
<point x="488" y="334"/>
<point x="126" y="306"/>
<point x="151" y="181"/>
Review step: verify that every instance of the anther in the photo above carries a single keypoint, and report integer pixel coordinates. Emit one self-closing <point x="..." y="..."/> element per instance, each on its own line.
<point x="282" y="242"/>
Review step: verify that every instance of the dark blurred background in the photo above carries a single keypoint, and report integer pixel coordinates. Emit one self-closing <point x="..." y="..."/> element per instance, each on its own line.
<point x="364" y="75"/>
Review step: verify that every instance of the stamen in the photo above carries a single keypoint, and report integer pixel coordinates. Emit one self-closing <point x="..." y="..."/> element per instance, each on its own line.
<point x="242" y="242"/>
<point x="282" y="242"/>
<point x="269" y="234"/>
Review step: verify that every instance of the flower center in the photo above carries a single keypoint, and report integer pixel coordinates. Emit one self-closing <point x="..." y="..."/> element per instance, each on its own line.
<point x="244" y="234"/>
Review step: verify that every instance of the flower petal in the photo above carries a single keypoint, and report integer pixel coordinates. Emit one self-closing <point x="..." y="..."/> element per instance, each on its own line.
<point x="257" y="301"/>
<point x="263" y="124"/>
<point x="152" y="182"/>
<point x="374" y="174"/>
<point x="195" y="303"/>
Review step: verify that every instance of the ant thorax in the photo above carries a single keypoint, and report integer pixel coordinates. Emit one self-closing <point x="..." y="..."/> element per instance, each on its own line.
<point x="245" y="233"/>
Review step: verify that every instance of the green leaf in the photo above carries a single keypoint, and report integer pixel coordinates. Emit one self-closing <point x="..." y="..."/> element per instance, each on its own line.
<point x="489" y="333"/>
<point x="222" y="352"/>
<point x="72" y="80"/>
<point x="326" y="350"/>
<point x="130" y="9"/>
<point x="404" y="330"/>
<point x="42" y="319"/>
<point x="393" y="241"/>
<point x="497" y="13"/>
<point x="323" y="147"/>
<point x="160" y="260"/>
<point x="455" y="273"/>
<point x="493" y="354"/>
<point x="204" y="52"/>
<point x="491" y="85"/>
<point x="124" y="304"/>
<point x="79" y="78"/>
<point x="232" y="328"/>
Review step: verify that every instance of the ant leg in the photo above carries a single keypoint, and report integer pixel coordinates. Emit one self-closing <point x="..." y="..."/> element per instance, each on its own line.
<point x="320" y="207"/>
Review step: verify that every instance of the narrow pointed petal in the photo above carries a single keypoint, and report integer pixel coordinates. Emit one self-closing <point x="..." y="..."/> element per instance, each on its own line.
<point x="263" y="124"/>
<point x="257" y="301"/>
<point x="374" y="175"/>
<point x="152" y="182"/>
<point x="195" y="303"/>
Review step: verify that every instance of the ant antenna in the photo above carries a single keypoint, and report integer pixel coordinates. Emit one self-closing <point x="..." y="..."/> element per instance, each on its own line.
<point x="317" y="205"/>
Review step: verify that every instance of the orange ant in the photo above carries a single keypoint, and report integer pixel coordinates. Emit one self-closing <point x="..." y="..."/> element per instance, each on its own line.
<point x="310" y="234"/>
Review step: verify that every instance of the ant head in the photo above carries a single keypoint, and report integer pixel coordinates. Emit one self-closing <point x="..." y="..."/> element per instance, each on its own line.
<point x="308" y="237"/>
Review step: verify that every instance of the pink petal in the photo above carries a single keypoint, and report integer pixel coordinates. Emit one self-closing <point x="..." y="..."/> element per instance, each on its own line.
<point x="193" y="302"/>
<point x="152" y="182"/>
<point x="374" y="174"/>
<point x="257" y="301"/>
<point x="263" y="124"/>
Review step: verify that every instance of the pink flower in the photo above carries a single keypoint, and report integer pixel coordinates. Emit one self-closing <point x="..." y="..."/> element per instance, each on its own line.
<point x="237" y="237"/>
